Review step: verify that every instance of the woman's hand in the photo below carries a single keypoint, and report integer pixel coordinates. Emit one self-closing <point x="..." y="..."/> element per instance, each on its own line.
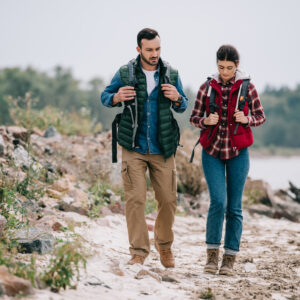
<point x="240" y="117"/>
<point x="212" y="119"/>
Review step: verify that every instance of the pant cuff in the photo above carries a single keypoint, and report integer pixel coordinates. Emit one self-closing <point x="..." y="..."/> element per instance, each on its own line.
<point x="230" y="252"/>
<point x="213" y="246"/>
<point x="139" y="252"/>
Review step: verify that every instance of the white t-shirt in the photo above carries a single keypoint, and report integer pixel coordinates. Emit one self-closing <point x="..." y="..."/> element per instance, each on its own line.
<point x="150" y="80"/>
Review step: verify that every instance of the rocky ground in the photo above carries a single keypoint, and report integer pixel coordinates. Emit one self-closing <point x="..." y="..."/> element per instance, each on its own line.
<point x="268" y="266"/>
<point x="67" y="170"/>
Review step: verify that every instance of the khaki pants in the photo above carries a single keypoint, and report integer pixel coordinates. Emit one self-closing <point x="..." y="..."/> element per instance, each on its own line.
<point x="163" y="178"/>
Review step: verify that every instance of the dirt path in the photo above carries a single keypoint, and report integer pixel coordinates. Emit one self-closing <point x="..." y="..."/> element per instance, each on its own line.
<point x="268" y="266"/>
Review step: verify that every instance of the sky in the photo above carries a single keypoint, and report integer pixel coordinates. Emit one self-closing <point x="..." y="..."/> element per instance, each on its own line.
<point x="94" y="38"/>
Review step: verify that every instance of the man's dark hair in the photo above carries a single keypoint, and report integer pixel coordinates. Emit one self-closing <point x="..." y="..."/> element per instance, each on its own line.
<point x="146" y="33"/>
<point x="228" y="52"/>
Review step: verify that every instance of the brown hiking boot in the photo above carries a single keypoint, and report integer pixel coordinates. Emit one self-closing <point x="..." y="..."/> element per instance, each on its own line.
<point x="212" y="261"/>
<point x="166" y="256"/>
<point x="227" y="265"/>
<point x="136" y="259"/>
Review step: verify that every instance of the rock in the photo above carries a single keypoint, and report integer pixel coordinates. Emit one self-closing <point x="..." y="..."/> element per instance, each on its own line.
<point x="69" y="204"/>
<point x="48" y="166"/>
<point x="18" y="132"/>
<point x="2" y="145"/>
<point x="258" y="192"/>
<point x="281" y="208"/>
<point x="105" y="211"/>
<point x="49" y="202"/>
<point x="190" y="176"/>
<point x="196" y="206"/>
<point x="249" y="267"/>
<point x="150" y="227"/>
<point x="118" y="207"/>
<point x="34" y="239"/>
<point x="295" y="191"/>
<point x="79" y="196"/>
<point x="51" y="132"/>
<point x="115" y="268"/>
<point x="2" y="224"/>
<point x="50" y="223"/>
<point x="286" y="208"/>
<point x="61" y="185"/>
<point x="13" y="285"/>
<point x="31" y="206"/>
<point x="21" y="157"/>
<point x="54" y="194"/>
<point x="166" y="275"/>
<point x="48" y="150"/>
<point x="94" y="281"/>
<point x="261" y="210"/>
<point x="143" y="273"/>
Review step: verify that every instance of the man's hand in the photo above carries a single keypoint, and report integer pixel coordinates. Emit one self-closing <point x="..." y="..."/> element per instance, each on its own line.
<point x="240" y="117"/>
<point x="170" y="91"/>
<point x="124" y="93"/>
<point x="212" y="119"/>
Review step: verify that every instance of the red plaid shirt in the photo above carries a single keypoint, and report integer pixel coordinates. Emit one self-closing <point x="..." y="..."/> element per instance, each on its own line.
<point x="220" y="147"/>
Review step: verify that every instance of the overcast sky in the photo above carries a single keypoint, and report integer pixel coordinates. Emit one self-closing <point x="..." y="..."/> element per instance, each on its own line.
<point x="95" y="37"/>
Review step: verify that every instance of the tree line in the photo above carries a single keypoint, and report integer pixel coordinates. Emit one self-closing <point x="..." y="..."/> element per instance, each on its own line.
<point x="59" y="89"/>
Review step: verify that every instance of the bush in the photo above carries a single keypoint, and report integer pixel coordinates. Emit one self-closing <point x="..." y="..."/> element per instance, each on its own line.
<point x="73" y="123"/>
<point x="63" y="270"/>
<point x="190" y="175"/>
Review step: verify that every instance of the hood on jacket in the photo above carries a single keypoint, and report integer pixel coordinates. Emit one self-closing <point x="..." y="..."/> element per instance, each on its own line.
<point x="239" y="75"/>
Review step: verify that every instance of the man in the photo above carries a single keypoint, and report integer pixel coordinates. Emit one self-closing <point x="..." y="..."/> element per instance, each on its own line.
<point x="149" y="136"/>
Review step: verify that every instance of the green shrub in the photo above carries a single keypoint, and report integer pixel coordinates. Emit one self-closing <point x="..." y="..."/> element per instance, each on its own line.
<point x="67" y="123"/>
<point x="63" y="270"/>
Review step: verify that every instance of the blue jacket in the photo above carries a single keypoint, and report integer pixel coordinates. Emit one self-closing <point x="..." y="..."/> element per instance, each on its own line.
<point x="148" y="134"/>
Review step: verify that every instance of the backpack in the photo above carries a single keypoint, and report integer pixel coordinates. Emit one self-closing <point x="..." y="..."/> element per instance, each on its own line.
<point x="211" y="93"/>
<point x="132" y="106"/>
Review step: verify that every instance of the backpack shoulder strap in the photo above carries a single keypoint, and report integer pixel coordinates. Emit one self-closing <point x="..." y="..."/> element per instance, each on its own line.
<point x="131" y="72"/>
<point x="211" y="98"/>
<point x="242" y="100"/>
<point x="243" y="95"/>
<point x="211" y="93"/>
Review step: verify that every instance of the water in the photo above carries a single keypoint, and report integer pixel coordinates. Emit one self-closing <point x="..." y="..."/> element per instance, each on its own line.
<point x="277" y="171"/>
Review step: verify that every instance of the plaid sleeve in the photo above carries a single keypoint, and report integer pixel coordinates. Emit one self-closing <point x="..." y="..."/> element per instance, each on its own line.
<point x="257" y="112"/>
<point x="197" y="116"/>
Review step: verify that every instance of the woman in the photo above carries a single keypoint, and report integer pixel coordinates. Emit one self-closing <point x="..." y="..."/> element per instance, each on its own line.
<point x="225" y="99"/>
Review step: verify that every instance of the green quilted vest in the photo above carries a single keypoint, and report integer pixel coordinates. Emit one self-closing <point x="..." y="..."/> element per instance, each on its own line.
<point x="168" y="130"/>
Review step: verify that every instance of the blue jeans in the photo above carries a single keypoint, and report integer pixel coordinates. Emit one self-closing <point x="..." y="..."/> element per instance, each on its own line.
<point x="225" y="196"/>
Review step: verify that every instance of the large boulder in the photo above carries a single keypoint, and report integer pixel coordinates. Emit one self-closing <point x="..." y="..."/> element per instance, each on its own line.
<point x="50" y="222"/>
<point x="261" y="199"/>
<point x="190" y="178"/>
<point x="18" y="132"/>
<point x="257" y="192"/>
<point x="76" y="201"/>
<point x="12" y="285"/>
<point x="21" y="157"/>
<point x="61" y="185"/>
<point x="51" y="132"/>
<point x="34" y="239"/>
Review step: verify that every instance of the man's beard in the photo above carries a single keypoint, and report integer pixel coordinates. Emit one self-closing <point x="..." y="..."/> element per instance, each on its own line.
<point x="147" y="61"/>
